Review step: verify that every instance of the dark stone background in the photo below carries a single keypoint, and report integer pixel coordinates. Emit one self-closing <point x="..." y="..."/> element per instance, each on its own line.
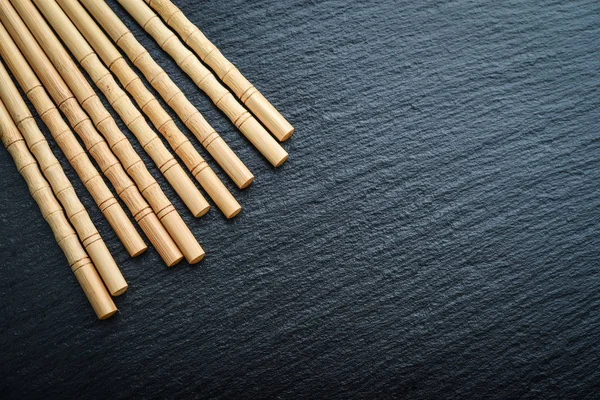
<point x="434" y="233"/>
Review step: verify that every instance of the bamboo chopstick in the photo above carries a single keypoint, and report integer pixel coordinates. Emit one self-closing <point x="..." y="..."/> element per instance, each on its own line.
<point x="206" y="81"/>
<point x="81" y="123"/>
<point x="225" y="70"/>
<point x="88" y="99"/>
<point x="62" y="188"/>
<point x="167" y="89"/>
<point x="150" y="106"/>
<point x="37" y="39"/>
<point x="76" y="156"/>
<point x="119" y="100"/>
<point x="40" y="190"/>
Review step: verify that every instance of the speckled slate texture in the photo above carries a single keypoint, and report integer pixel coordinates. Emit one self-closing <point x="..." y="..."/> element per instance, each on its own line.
<point x="434" y="234"/>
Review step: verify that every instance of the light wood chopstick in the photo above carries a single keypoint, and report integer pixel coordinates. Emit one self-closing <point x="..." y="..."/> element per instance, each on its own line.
<point x="169" y="91"/>
<point x="149" y="105"/>
<point x="225" y="70"/>
<point x="88" y="99"/>
<point x="120" y="102"/>
<point x="206" y="81"/>
<point x="79" y="160"/>
<point x="81" y="124"/>
<point x="65" y="236"/>
<point x="62" y="188"/>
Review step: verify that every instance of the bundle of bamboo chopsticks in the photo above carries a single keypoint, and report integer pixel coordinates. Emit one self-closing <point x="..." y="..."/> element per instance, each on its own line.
<point x="31" y="32"/>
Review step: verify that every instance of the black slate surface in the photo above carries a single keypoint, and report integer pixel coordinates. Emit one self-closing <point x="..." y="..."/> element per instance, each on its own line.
<point x="434" y="233"/>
